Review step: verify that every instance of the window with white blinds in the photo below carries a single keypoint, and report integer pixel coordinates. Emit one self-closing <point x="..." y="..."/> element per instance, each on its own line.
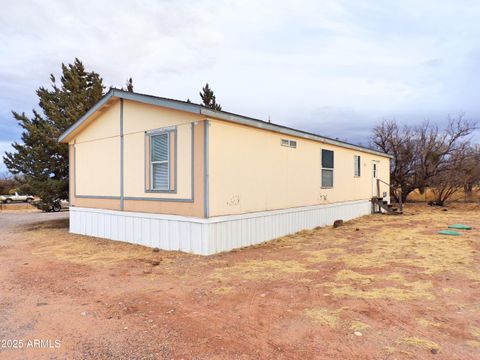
<point x="159" y="161"/>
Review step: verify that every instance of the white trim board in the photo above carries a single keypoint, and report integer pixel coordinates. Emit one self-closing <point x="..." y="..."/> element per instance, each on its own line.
<point x="212" y="235"/>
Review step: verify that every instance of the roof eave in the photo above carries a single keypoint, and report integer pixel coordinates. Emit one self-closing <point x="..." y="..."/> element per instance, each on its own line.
<point x="221" y="115"/>
<point x="285" y="130"/>
<point x="146" y="99"/>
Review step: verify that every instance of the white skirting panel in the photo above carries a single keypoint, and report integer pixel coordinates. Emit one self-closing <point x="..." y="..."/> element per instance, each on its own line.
<point x="212" y="235"/>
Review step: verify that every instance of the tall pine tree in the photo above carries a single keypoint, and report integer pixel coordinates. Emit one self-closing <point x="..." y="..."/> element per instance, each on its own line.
<point x="39" y="159"/>
<point x="129" y="85"/>
<point x="208" y="98"/>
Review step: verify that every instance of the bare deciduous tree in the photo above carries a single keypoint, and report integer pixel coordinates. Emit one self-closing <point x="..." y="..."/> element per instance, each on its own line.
<point x="391" y="139"/>
<point x="472" y="171"/>
<point x="421" y="152"/>
<point x="453" y="176"/>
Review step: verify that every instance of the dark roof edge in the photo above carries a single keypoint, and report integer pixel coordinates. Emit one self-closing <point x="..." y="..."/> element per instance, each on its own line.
<point x="222" y="115"/>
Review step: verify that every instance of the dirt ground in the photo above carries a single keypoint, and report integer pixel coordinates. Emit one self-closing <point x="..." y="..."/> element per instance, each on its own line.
<point x="24" y="206"/>
<point x="379" y="287"/>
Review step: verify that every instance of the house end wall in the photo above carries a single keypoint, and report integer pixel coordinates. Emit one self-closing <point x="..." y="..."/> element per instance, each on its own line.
<point x="169" y="204"/>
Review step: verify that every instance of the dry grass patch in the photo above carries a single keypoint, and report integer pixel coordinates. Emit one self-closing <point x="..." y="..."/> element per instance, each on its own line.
<point x="324" y="316"/>
<point x="407" y="246"/>
<point x="346" y="275"/>
<point x="349" y="283"/>
<point x="58" y="244"/>
<point x="419" y="343"/>
<point x="450" y="290"/>
<point x="222" y="290"/>
<point x="418" y="290"/>
<point x="261" y="269"/>
<point x="389" y="349"/>
<point x="402" y="242"/>
<point x="473" y="343"/>
<point x="428" y="323"/>
<point x="475" y="331"/>
<point x="318" y="256"/>
<point x="358" y="326"/>
<point x="50" y="224"/>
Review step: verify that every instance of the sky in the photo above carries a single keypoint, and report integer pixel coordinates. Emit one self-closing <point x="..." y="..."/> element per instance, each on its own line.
<point x="333" y="67"/>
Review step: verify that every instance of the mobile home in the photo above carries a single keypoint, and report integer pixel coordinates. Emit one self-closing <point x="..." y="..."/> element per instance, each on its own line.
<point x="179" y="176"/>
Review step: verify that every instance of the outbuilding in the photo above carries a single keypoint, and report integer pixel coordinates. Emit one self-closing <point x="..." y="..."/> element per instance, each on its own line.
<point x="179" y="176"/>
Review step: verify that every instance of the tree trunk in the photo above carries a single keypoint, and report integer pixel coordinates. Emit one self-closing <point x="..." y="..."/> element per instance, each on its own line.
<point x="405" y="191"/>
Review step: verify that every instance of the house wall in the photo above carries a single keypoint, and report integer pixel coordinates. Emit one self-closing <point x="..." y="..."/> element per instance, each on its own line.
<point x="96" y="157"/>
<point x="250" y="171"/>
<point x="247" y="169"/>
<point x="139" y="118"/>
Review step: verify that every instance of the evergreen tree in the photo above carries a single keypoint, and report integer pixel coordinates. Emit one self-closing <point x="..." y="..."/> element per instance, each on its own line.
<point x="208" y="98"/>
<point x="129" y="85"/>
<point x="39" y="161"/>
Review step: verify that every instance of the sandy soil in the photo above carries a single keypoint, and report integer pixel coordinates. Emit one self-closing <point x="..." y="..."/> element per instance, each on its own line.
<point x="17" y="206"/>
<point x="380" y="287"/>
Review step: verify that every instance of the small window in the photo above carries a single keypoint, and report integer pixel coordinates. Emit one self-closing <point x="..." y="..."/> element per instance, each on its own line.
<point x="327" y="168"/>
<point x="159" y="161"/>
<point x="289" y="143"/>
<point x="357" y="166"/>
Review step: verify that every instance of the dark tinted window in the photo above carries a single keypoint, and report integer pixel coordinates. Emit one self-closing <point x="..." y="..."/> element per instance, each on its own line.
<point x="357" y="165"/>
<point x="327" y="159"/>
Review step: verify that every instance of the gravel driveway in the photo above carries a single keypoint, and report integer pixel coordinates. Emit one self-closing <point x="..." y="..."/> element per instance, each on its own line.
<point x="11" y="219"/>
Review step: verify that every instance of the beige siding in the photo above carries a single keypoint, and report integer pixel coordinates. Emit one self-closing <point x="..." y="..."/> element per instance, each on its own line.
<point x="105" y="124"/>
<point x="249" y="171"/>
<point x="194" y="208"/>
<point x="139" y="118"/>
<point x="98" y="167"/>
<point x="95" y="160"/>
<point x="97" y="155"/>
